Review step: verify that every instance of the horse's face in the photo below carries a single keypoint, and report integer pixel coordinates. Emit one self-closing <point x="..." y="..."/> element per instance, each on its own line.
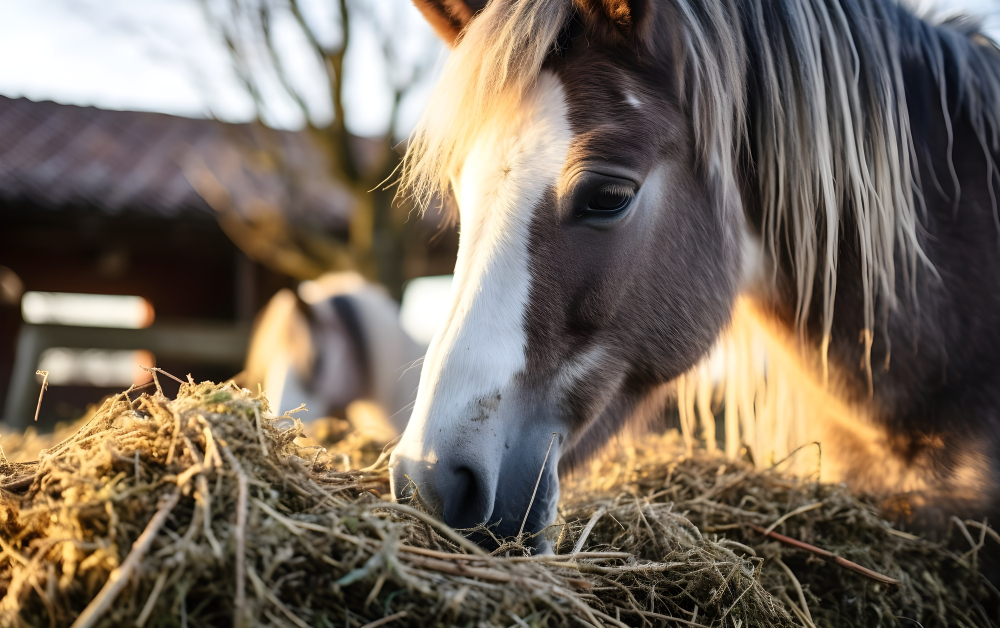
<point x="597" y="262"/>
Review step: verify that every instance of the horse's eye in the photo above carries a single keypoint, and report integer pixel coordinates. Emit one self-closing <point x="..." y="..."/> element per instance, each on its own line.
<point x="611" y="198"/>
<point x="600" y="200"/>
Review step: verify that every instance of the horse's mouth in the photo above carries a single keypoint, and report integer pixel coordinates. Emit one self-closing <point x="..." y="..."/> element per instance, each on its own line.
<point x="500" y="522"/>
<point x="499" y="545"/>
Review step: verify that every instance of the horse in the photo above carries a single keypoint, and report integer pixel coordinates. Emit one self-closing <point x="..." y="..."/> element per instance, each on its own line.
<point x="631" y="177"/>
<point x="336" y="341"/>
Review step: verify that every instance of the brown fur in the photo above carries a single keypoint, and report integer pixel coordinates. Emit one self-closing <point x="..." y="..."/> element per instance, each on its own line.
<point x="621" y="14"/>
<point x="448" y="18"/>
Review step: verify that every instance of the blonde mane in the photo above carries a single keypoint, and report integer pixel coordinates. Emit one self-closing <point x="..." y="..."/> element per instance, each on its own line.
<point x="497" y="59"/>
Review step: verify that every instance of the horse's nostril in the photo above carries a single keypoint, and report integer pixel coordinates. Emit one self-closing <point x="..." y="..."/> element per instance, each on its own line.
<point x="466" y="503"/>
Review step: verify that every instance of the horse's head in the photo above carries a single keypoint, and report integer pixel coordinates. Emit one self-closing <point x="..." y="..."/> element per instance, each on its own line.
<point x="337" y="341"/>
<point x="601" y="247"/>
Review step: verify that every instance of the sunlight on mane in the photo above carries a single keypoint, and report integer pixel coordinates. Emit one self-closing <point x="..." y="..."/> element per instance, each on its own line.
<point x="496" y="61"/>
<point x="775" y="405"/>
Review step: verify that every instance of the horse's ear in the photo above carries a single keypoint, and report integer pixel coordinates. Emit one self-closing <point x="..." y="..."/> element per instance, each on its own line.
<point x="449" y="17"/>
<point x="624" y="15"/>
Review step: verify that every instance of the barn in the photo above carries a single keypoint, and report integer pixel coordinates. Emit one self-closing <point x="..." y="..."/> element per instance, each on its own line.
<point x="159" y="211"/>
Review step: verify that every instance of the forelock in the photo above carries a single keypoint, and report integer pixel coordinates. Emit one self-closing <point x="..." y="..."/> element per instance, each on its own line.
<point x="497" y="60"/>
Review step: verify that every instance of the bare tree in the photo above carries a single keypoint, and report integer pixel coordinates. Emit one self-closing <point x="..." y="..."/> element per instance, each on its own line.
<point x="257" y="34"/>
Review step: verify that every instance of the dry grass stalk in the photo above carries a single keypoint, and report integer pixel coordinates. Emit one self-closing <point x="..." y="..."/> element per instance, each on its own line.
<point x="843" y="562"/>
<point x="41" y="393"/>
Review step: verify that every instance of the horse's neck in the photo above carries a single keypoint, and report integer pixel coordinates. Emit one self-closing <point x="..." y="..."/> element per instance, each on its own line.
<point x="940" y="339"/>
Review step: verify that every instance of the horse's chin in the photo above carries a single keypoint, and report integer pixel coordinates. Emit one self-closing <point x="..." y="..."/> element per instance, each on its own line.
<point x="544" y="548"/>
<point x="536" y="544"/>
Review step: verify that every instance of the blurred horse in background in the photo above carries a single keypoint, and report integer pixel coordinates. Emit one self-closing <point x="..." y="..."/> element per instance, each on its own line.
<point x="336" y="342"/>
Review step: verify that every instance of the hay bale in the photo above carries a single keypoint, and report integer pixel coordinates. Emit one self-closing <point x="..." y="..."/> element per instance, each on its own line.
<point x="205" y="510"/>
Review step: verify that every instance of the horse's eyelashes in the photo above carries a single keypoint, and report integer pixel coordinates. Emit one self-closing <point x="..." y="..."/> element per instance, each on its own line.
<point x="599" y="198"/>
<point x="617" y="189"/>
<point x="612" y="197"/>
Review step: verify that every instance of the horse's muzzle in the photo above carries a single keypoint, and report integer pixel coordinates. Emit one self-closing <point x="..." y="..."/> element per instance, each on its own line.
<point x="471" y="491"/>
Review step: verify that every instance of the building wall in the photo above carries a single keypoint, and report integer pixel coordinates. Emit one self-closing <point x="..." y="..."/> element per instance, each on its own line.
<point x="185" y="267"/>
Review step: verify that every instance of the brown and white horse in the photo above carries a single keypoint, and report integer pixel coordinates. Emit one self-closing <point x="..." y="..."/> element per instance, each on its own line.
<point x="336" y="341"/>
<point x="627" y="171"/>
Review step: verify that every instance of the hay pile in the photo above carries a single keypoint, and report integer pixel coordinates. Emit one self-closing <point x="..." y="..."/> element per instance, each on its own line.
<point x="732" y="503"/>
<point x="204" y="511"/>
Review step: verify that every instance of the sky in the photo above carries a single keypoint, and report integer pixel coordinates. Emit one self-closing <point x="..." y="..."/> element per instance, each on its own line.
<point x="162" y="55"/>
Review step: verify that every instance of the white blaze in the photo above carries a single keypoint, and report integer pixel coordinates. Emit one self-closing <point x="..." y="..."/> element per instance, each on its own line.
<point x="482" y="346"/>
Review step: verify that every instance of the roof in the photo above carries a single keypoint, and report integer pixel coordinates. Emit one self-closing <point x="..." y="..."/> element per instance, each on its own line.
<point x="60" y="157"/>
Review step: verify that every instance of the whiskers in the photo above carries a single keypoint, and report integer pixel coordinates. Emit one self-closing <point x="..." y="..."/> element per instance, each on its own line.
<point x="541" y="472"/>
